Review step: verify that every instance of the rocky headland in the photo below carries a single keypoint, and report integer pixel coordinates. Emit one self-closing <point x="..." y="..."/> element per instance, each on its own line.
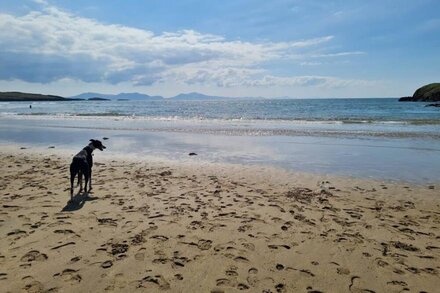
<point x="427" y="93"/>
<point x="28" y="97"/>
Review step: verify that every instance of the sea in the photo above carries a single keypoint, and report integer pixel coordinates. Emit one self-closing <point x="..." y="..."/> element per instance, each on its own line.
<point x="377" y="138"/>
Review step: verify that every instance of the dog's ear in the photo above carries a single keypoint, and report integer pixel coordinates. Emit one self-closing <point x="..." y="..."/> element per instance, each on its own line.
<point x="92" y="140"/>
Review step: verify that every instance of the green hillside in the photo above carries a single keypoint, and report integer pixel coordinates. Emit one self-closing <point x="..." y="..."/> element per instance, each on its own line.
<point x="27" y="97"/>
<point x="427" y="93"/>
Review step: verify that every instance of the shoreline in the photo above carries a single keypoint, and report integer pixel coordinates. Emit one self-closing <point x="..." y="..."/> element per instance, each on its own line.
<point x="197" y="164"/>
<point x="361" y="157"/>
<point x="179" y="227"/>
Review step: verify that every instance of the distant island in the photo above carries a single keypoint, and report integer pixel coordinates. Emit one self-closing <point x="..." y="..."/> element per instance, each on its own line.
<point x="197" y="97"/>
<point x="27" y="97"/>
<point x="120" y="96"/>
<point x="97" y="99"/>
<point x="427" y="93"/>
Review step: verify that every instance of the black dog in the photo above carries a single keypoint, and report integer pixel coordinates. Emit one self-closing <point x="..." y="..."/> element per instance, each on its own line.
<point x="82" y="165"/>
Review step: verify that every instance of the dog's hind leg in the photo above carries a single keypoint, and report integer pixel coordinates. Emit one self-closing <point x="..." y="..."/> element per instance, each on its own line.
<point x="73" y="172"/>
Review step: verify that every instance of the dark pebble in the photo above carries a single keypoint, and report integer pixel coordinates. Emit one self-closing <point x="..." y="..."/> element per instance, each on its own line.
<point x="279" y="267"/>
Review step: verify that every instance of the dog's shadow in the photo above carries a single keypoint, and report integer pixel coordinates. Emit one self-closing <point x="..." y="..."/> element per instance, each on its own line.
<point x="78" y="201"/>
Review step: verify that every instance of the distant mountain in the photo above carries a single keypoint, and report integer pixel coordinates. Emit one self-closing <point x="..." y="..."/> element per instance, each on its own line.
<point x="197" y="97"/>
<point x="121" y="96"/>
<point x="137" y="96"/>
<point x="194" y="96"/>
<point x="28" y="97"/>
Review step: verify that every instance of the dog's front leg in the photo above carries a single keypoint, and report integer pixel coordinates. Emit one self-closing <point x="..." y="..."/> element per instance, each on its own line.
<point x="86" y="179"/>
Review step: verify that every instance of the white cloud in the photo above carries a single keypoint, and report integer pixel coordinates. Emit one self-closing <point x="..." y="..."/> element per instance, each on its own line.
<point x="307" y="81"/>
<point x="50" y="45"/>
<point x="339" y="54"/>
<point x="42" y="2"/>
<point x="310" y="63"/>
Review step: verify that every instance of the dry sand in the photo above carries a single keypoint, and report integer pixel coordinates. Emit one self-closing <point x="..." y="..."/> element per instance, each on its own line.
<point x="153" y="227"/>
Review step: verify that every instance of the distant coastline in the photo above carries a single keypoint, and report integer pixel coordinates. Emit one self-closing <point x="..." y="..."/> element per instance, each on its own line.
<point x="29" y="97"/>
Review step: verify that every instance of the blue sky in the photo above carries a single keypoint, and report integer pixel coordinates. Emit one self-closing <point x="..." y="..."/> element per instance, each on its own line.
<point x="293" y="48"/>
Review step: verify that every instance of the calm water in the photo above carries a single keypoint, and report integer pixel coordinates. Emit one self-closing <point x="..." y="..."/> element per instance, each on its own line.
<point x="336" y="110"/>
<point x="374" y="138"/>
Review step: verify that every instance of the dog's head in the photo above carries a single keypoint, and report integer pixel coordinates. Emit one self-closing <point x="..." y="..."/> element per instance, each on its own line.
<point x="97" y="144"/>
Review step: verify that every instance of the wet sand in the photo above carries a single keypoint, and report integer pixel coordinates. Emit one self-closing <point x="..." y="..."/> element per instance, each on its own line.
<point x="173" y="227"/>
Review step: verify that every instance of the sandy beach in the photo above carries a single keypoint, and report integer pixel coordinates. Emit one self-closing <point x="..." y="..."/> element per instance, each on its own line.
<point x="238" y="146"/>
<point x="157" y="226"/>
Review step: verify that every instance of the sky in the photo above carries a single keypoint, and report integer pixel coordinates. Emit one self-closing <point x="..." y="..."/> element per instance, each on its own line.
<point x="235" y="48"/>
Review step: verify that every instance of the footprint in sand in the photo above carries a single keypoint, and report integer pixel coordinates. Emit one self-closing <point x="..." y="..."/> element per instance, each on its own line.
<point x="343" y="271"/>
<point x="17" y="234"/>
<point x="108" y="221"/>
<point x="178" y="277"/>
<point x="118" y="248"/>
<point x="69" y="275"/>
<point x="34" y="287"/>
<point x="244" y="228"/>
<point x="118" y="282"/>
<point x="204" y="244"/>
<point x="179" y="261"/>
<point x="63" y="245"/>
<point x="241" y="259"/>
<point x="159" y="237"/>
<point x="275" y="246"/>
<point x="249" y="246"/>
<point x="107" y="264"/>
<point x="65" y="232"/>
<point x="242" y="286"/>
<point x="140" y="256"/>
<point x="137" y="239"/>
<point x="75" y="259"/>
<point x="252" y="278"/>
<point x="34" y="255"/>
<point x="225" y="282"/>
<point x="160" y="260"/>
<point x="154" y="282"/>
